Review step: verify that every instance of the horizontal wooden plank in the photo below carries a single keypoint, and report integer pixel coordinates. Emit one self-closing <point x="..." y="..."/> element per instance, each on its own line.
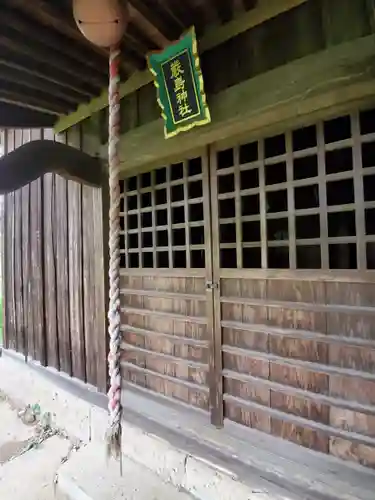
<point x="164" y="357"/>
<point x="360" y="376"/>
<point x="263" y="330"/>
<point x="168" y="388"/>
<point x="356" y="452"/>
<point x="147" y="312"/>
<point x="353" y="420"/>
<point x="186" y="383"/>
<point x="316" y="275"/>
<point x="162" y="294"/>
<point x="174" y="369"/>
<point x="341" y="404"/>
<point x="170" y="325"/>
<point x="301" y="306"/>
<point x="175" y="339"/>
<point x="192" y="285"/>
<point x="300" y="421"/>
<point x="191" y="308"/>
<point x="167" y="273"/>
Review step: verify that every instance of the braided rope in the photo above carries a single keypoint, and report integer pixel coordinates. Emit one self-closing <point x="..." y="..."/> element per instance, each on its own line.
<point x="114" y="393"/>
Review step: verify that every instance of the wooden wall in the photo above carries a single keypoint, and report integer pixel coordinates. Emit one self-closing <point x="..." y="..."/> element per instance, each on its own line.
<point x="54" y="275"/>
<point x="312" y="27"/>
<point x="248" y="284"/>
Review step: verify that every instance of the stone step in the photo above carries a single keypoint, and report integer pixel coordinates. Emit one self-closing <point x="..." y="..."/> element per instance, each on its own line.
<point x="87" y="475"/>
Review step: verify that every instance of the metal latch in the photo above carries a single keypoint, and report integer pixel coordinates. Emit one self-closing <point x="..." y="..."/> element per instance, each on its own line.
<point x="212" y="285"/>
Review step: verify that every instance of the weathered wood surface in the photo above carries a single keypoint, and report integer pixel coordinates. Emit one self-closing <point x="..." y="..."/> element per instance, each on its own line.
<point x="165" y="335"/>
<point x="299" y="362"/>
<point x="216" y="36"/>
<point x="314" y="86"/>
<point x="62" y="275"/>
<point x="50" y="275"/>
<point x="283" y="339"/>
<point x="53" y="314"/>
<point x="75" y="269"/>
<point x="37" y="266"/>
<point x="297" y="309"/>
<point x="169" y="344"/>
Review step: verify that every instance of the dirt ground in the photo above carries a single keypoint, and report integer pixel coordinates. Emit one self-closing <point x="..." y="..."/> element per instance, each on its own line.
<point x="29" y="455"/>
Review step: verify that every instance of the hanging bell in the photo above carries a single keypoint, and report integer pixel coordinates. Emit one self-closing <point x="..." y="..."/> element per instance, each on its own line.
<point x="102" y="22"/>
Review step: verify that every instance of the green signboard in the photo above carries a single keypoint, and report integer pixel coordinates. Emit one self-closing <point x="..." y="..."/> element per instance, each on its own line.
<point x="179" y="83"/>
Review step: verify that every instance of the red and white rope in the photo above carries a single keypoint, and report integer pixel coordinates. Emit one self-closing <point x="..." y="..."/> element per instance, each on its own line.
<point x="114" y="394"/>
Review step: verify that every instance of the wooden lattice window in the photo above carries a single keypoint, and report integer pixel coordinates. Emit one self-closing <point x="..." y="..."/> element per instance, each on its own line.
<point x="300" y="200"/>
<point x="163" y="218"/>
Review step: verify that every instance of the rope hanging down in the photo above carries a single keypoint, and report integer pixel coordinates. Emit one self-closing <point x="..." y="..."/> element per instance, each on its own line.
<point x="114" y="394"/>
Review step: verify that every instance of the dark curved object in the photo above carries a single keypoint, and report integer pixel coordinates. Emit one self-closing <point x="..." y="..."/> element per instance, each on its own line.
<point x="34" y="159"/>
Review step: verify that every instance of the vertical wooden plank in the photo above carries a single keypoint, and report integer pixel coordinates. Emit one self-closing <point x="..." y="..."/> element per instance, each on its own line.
<point x="90" y="146"/>
<point x="3" y="249"/>
<point x="18" y="275"/>
<point x="75" y="269"/>
<point x="50" y="277"/>
<point x="262" y="206"/>
<point x="36" y="340"/>
<point x="89" y="286"/>
<point x="26" y="250"/>
<point x="186" y="214"/>
<point x="4" y="267"/>
<point x="139" y="222"/>
<point x="322" y="196"/>
<point x="105" y="276"/>
<point x="11" y="247"/>
<point x="360" y="224"/>
<point x="169" y="216"/>
<point x="237" y="193"/>
<point x="95" y="206"/>
<point x="12" y="304"/>
<point x="153" y="215"/>
<point x="28" y="327"/>
<point x="101" y="346"/>
<point x="354" y="21"/>
<point x="212" y="244"/>
<point x="291" y="204"/>
<point x="62" y="284"/>
<point x="36" y="227"/>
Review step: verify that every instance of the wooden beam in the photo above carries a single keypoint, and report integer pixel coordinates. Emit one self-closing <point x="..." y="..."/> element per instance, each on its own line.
<point x="17" y="77"/>
<point x="249" y="4"/>
<point x="28" y="67"/>
<point x="54" y="40"/>
<point x="316" y="87"/>
<point x="12" y="116"/>
<point x="151" y="23"/>
<point x="267" y="9"/>
<point x="9" y="97"/>
<point x="61" y="20"/>
<point x="206" y="11"/>
<point x="22" y="90"/>
<point x="138" y="41"/>
<point x="225" y="10"/>
<point x="20" y="94"/>
<point x="179" y="16"/>
<point x="51" y="14"/>
<point x="21" y="43"/>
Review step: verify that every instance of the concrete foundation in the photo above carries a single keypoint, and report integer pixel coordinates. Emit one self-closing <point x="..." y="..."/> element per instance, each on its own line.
<point x="179" y="446"/>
